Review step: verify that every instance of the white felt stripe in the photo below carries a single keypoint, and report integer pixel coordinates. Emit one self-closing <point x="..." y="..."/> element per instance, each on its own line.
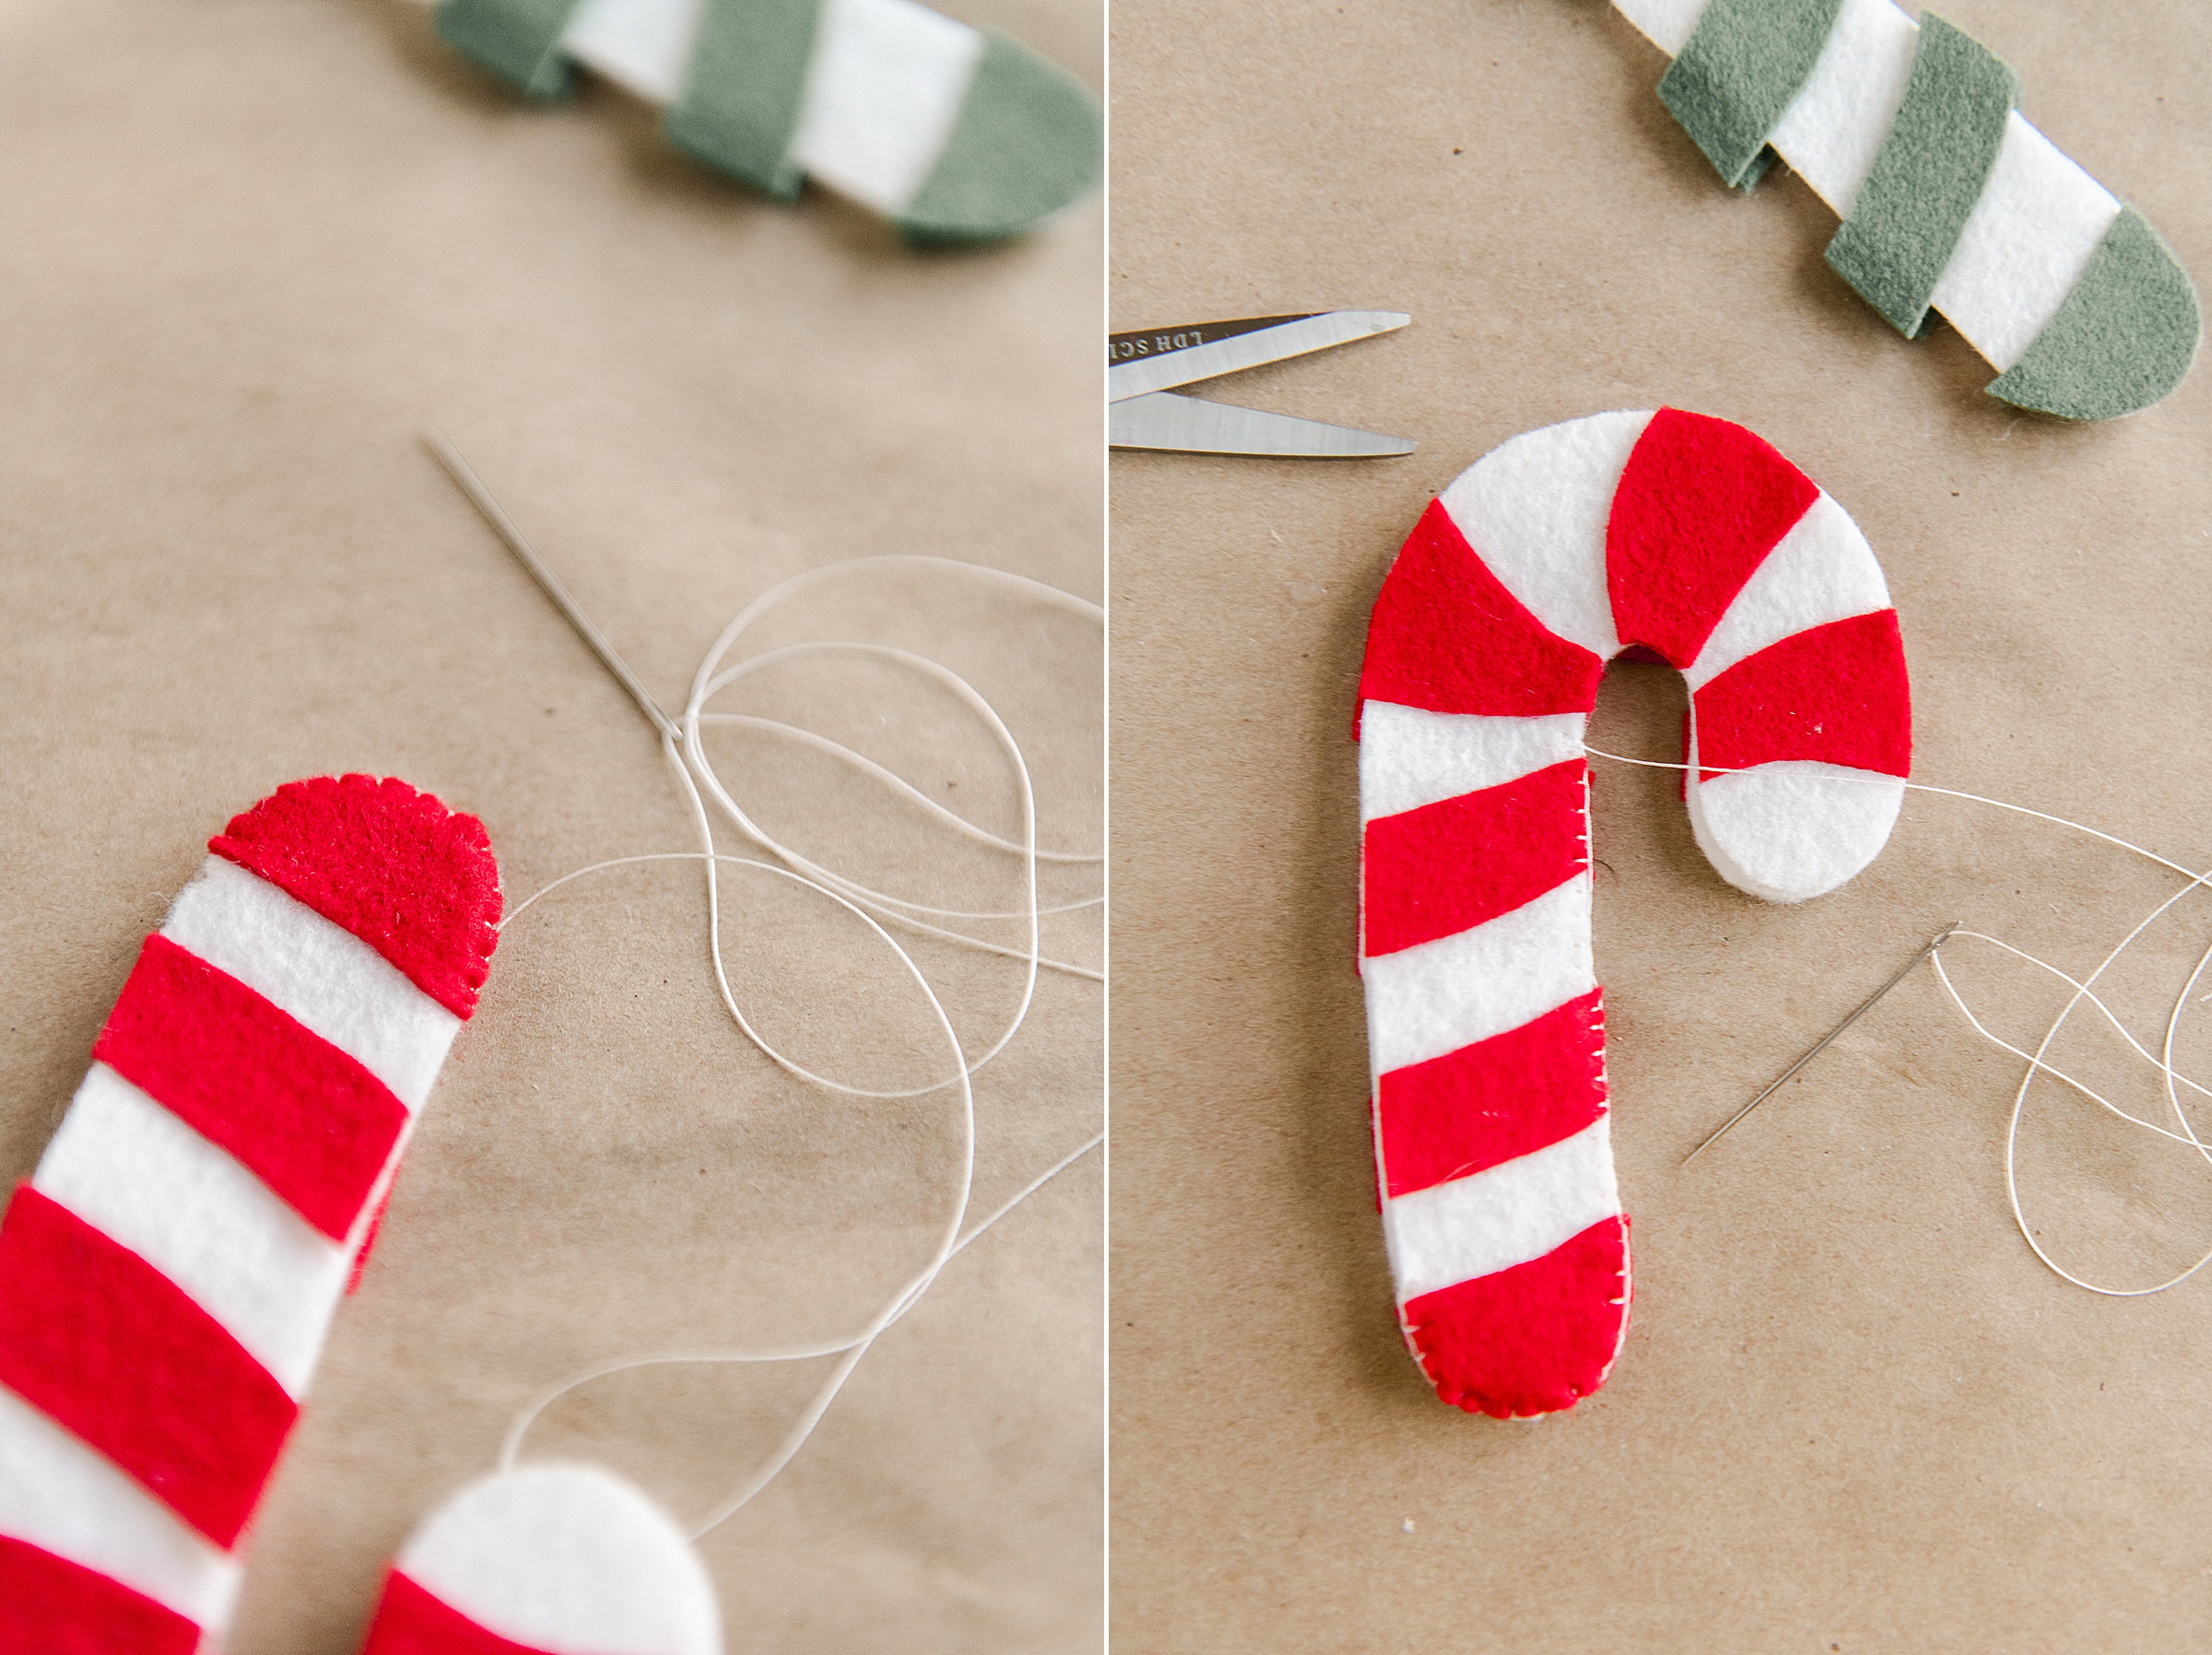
<point x="1822" y="570"/>
<point x="1410" y="756"/>
<point x="1534" y="509"/>
<point x="1502" y="1217"/>
<point x="62" y="1496"/>
<point x="2027" y="242"/>
<point x="1436" y="997"/>
<point x="1793" y="829"/>
<point x="643" y="45"/>
<point x="1835" y="128"/>
<point x="571" y="1559"/>
<point x="2040" y="218"/>
<point x="1667" y="24"/>
<point x="883" y="91"/>
<point x="321" y="973"/>
<point x="132" y="1169"/>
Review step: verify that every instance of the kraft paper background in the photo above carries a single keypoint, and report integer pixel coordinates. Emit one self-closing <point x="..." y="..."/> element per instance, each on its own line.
<point x="1853" y="1413"/>
<point x="248" y="248"/>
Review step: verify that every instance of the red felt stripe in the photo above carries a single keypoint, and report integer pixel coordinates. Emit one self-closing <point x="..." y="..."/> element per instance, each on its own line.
<point x="414" y="880"/>
<point x="1700" y="504"/>
<point x="1836" y="693"/>
<point x="1441" y="868"/>
<point x="409" y="1621"/>
<point x="1447" y="636"/>
<point x="51" y="1606"/>
<point x="307" y="1118"/>
<point x="376" y="1228"/>
<point x="1534" y="1339"/>
<point x="106" y="1346"/>
<point x="1495" y="1100"/>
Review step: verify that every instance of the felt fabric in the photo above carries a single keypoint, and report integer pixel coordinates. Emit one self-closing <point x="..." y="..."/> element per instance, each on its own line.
<point x="1433" y="998"/>
<point x="1532" y="1340"/>
<point x="317" y="972"/>
<point x="1508" y="1214"/>
<point x="564" y="1558"/>
<point x="1701" y="502"/>
<point x="414" y="880"/>
<point x="1670" y="534"/>
<point x="134" y="1170"/>
<point x="1908" y="217"/>
<point x="646" y="46"/>
<point x="2125" y="336"/>
<point x="1836" y="693"/>
<point x="1836" y="127"/>
<point x="2036" y="227"/>
<point x="1451" y="865"/>
<point x="1822" y="570"/>
<point x="1791" y="830"/>
<point x="1739" y="71"/>
<point x="957" y="136"/>
<point x="1534" y="512"/>
<point x="1492" y="1101"/>
<point x="1410" y="756"/>
<point x="112" y="1350"/>
<point x="410" y="1621"/>
<point x="1446" y="636"/>
<point x="309" y="1121"/>
<point x="60" y="1496"/>
<point x="168" y="1275"/>
<point x="360" y="1258"/>
<point x="741" y="96"/>
<point x="2032" y="235"/>
<point x="519" y="41"/>
<point x="888" y="87"/>
<point x="51" y="1606"/>
<point x="1028" y="141"/>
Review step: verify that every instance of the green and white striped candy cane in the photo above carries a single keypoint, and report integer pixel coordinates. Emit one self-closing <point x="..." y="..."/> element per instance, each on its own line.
<point x="1950" y="200"/>
<point x="957" y="134"/>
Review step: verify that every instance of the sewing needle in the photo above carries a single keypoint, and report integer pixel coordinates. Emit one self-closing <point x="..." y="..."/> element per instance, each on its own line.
<point x="1933" y="943"/>
<point x="447" y="456"/>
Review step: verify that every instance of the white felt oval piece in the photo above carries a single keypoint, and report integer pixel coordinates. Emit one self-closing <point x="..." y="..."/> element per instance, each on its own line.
<point x="570" y="1560"/>
<point x="1793" y="829"/>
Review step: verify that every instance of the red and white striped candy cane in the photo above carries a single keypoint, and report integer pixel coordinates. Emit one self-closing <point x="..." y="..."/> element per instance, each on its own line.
<point x="1681" y="535"/>
<point x="168" y="1274"/>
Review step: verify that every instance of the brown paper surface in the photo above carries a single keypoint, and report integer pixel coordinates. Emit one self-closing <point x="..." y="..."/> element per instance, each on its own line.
<point x="1853" y="1413"/>
<point x="251" y="248"/>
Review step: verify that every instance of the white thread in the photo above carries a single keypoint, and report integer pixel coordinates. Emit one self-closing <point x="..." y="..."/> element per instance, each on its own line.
<point x="874" y="910"/>
<point x="2171" y="1078"/>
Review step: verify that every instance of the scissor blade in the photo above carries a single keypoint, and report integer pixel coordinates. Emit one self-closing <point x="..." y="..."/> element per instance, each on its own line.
<point x="1187" y="425"/>
<point x="1164" y="358"/>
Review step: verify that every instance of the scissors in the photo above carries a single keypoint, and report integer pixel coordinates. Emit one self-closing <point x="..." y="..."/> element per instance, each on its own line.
<point x="1144" y="412"/>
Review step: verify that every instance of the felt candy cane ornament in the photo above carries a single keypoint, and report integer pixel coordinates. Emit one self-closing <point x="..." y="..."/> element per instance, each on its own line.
<point x="1671" y="532"/>
<point x="552" y="1559"/>
<point x="168" y="1274"/>
<point x="953" y="134"/>
<point x="1950" y="200"/>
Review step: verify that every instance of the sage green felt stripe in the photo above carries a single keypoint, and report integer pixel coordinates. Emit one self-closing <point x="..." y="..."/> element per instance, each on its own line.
<point x="1910" y="213"/>
<point x="1028" y="140"/>
<point x="519" y="41"/>
<point x="748" y="75"/>
<point x="1738" y="73"/>
<point x="2122" y="339"/>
